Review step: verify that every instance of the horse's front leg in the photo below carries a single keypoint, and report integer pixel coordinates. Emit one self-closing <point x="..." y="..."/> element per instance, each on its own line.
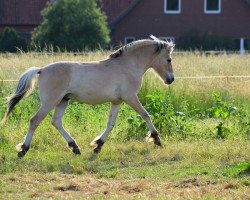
<point x="100" y="140"/>
<point x="136" y="105"/>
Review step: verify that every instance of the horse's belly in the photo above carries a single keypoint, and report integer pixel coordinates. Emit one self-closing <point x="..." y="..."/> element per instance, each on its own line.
<point x="89" y="99"/>
<point x="93" y="98"/>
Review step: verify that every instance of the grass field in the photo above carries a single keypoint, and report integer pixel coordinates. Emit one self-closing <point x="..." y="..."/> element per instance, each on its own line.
<point x="204" y="125"/>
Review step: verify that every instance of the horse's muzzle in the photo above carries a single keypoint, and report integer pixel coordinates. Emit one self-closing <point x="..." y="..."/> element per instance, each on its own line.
<point x="169" y="78"/>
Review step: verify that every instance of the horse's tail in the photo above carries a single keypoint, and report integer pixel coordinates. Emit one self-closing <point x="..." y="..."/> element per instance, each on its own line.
<point x="25" y="86"/>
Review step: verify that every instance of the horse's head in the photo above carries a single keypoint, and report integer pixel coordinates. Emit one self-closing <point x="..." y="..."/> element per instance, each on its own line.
<point x="162" y="63"/>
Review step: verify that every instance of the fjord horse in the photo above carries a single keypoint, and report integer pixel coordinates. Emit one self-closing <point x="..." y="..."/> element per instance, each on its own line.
<point x="116" y="79"/>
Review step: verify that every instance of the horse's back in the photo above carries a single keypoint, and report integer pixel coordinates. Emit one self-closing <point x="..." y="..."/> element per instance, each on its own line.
<point x="92" y="83"/>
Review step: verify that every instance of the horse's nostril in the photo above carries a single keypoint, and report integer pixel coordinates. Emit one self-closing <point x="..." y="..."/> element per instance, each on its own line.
<point x="171" y="79"/>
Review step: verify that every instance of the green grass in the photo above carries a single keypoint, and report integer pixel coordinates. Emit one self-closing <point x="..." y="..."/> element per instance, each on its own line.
<point x="204" y="125"/>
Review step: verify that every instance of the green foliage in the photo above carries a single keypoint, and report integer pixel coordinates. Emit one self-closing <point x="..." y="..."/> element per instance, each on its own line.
<point x="239" y="169"/>
<point x="196" y="40"/>
<point x="10" y="41"/>
<point x="72" y="25"/>
<point x="182" y="122"/>
<point x="225" y="112"/>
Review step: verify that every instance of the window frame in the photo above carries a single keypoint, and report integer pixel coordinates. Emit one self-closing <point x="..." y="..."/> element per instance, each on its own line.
<point x="128" y="37"/>
<point x="172" y="11"/>
<point x="212" y="11"/>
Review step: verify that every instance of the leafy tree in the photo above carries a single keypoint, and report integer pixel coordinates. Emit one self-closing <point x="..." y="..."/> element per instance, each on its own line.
<point x="10" y="41"/>
<point x="72" y="25"/>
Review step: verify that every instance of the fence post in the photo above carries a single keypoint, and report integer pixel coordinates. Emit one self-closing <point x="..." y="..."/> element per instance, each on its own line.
<point x="242" y="46"/>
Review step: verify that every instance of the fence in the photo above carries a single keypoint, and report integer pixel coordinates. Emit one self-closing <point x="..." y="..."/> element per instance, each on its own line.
<point x="180" y="77"/>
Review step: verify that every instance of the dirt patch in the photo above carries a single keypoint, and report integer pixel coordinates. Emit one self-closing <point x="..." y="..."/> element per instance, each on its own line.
<point x="189" y="183"/>
<point x="70" y="187"/>
<point x="131" y="189"/>
<point x="63" y="186"/>
<point x="232" y="186"/>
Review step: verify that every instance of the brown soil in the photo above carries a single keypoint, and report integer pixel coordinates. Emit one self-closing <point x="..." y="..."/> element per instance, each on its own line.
<point x="58" y="186"/>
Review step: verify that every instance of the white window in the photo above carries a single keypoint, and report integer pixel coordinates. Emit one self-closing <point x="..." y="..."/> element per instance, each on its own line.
<point x="167" y="38"/>
<point x="212" y="6"/>
<point x="172" y="6"/>
<point x="129" y="39"/>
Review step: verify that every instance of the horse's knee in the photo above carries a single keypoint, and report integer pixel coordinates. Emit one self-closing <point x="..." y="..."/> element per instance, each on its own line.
<point x="34" y="121"/>
<point x="145" y="115"/>
<point x="55" y="123"/>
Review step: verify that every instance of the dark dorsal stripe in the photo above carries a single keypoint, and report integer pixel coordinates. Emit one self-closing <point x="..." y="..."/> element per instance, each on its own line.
<point x="117" y="53"/>
<point x="159" y="46"/>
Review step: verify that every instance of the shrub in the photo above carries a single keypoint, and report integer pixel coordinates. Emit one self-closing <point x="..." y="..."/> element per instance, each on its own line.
<point x="196" y="40"/>
<point x="184" y="122"/>
<point x="10" y="41"/>
<point x="72" y="25"/>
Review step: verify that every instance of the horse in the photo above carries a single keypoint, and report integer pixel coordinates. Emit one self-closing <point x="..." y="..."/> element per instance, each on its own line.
<point x="116" y="79"/>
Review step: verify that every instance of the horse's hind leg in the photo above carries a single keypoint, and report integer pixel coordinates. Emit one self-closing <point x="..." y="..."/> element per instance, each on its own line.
<point x="99" y="141"/>
<point x="57" y="123"/>
<point x="34" y="122"/>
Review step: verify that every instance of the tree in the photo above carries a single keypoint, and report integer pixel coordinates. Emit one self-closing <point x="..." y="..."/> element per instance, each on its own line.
<point x="10" y="41"/>
<point x="72" y="25"/>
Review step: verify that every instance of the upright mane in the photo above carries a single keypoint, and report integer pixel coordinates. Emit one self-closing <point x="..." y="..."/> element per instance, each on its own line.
<point x="133" y="45"/>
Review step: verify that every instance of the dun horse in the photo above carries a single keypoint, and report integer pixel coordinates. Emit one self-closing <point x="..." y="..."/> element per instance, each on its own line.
<point x="116" y="79"/>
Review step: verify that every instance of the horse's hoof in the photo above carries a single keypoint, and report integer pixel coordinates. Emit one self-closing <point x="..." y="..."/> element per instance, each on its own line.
<point x="74" y="147"/>
<point x="76" y="151"/>
<point x="158" y="142"/>
<point x="22" y="150"/>
<point x="154" y="137"/>
<point x="99" y="144"/>
<point x="21" y="154"/>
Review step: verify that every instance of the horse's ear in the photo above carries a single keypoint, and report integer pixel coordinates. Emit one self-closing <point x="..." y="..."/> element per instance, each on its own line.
<point x="154" y="38"/>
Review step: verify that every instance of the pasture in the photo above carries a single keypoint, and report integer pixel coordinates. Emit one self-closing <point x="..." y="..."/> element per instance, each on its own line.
<point x="204" y="125"/>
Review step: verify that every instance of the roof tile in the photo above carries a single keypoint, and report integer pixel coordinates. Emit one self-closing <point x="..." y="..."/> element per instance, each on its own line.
<point x="114" y="8"/>
<point x="19" y="12"/>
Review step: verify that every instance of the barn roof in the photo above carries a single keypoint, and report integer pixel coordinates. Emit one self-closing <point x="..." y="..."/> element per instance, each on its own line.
<point x="25" y="12"/>
<point x="116" y="10"/>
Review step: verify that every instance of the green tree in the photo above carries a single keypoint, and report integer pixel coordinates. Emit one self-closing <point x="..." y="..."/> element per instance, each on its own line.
<point x="10" y="41"/>
<point x="72" y="25"/>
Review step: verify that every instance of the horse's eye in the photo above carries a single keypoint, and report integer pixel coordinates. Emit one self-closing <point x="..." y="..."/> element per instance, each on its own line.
<point x="169" y="60"/>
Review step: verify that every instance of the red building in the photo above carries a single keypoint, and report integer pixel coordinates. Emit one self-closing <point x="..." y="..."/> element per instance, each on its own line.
<point x="23" y="15"/>
<point x="135" y="19"/>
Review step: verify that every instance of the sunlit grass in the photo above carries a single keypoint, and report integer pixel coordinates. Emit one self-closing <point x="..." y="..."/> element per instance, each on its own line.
<point x="199" y="165"/>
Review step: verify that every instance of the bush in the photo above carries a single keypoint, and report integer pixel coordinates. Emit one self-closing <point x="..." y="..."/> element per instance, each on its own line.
<point x="72" y="25"/>
<point x="10" y="41"/>
<point x="195" y="40"/>
<point x="184" y="122"/>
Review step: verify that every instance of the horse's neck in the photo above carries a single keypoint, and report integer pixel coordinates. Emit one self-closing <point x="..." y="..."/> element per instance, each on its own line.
<point x="142" y="57"/>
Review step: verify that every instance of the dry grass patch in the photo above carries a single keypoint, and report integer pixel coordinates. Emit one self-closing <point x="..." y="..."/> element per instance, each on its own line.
<point x="64" y="186"/>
